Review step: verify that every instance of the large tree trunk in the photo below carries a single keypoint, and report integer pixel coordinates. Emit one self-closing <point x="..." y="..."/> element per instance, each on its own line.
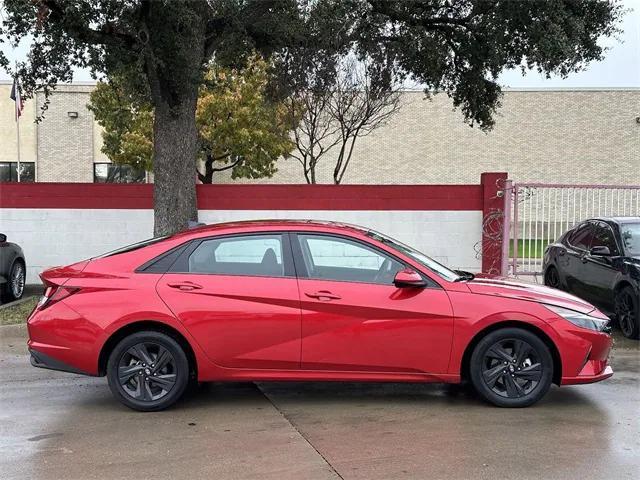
<point x="174" y="54"/>
<point x="174" y="166"/>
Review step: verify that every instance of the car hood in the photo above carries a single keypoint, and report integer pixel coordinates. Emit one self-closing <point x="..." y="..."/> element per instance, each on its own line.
<point x="503" y="287"/>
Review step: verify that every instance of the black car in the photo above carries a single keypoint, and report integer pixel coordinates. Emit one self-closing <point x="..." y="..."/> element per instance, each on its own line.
<point x="13" y="270"/>
<point x="599" y="261"/>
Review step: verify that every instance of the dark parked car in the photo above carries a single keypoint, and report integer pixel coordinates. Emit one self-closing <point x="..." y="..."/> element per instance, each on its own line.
<point x="599" y="261"/>
<point x="12" y="270"/>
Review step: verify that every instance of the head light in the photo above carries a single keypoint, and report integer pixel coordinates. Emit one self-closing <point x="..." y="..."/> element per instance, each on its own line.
<point x="579" y="319"/>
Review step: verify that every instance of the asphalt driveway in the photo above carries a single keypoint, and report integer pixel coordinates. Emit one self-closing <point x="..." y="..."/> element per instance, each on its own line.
<point x="63" y="426"/>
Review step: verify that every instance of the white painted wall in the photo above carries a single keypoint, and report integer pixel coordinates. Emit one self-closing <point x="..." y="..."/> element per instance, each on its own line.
<point x="51" y="237"/>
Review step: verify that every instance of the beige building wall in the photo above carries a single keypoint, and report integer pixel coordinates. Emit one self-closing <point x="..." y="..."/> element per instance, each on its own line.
<point x="66" y="136"/>
<point x="8" y="137"/>
<point x="572" y="136"/>
<point x="63" y="146"/>
<point x="564" y="136"/>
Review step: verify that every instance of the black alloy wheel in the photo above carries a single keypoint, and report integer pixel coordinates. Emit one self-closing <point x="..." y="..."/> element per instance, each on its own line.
<point x="628" y="312"/>
<point x="511" y="367"/>
<point x="552" y="277"/>
<point x="148" y="371"/>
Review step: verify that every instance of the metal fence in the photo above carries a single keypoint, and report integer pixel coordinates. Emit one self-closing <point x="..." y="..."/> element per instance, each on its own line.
<point x="539" y="213"/>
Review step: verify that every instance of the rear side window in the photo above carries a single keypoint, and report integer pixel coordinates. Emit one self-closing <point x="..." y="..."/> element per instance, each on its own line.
<point x="254" y="255"/>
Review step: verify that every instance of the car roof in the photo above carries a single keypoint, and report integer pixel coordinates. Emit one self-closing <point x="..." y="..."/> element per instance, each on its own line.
<point x="618" y="220"/>
<point x="284" y="224"/>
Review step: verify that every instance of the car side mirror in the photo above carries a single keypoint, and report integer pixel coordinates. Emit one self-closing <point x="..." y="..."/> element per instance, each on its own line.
<point x="3" y="238"/>
<point x="409" y="278"/>
<point x="600" y="251"/>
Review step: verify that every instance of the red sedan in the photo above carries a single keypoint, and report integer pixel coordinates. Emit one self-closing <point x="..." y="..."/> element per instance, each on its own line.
<point x="313" y="301"/>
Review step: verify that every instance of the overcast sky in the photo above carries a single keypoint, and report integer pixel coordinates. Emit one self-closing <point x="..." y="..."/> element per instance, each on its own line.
<point x="620" y="68"/>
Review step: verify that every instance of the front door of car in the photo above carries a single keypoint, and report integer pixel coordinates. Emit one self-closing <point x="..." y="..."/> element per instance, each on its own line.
<point x="355" y="319"/>
<point x="238" y="297"/>
<point x="599" y="272"/>
<point x="572" y="263"/>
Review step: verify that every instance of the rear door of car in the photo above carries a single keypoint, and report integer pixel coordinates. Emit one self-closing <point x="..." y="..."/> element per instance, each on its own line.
<point x="238" y="296"/>
<point x="356" y="319"/>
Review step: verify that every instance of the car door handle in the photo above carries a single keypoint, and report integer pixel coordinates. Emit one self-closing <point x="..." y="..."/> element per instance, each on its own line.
<point x="323" y="295"/>
<point x="185" y="286"/>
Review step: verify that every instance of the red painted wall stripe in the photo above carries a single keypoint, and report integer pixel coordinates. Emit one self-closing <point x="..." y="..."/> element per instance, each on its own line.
<point x="248" y="197"/>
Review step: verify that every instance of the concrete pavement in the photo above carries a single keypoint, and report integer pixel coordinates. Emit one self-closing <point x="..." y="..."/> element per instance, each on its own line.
<point x="62" y="426"/>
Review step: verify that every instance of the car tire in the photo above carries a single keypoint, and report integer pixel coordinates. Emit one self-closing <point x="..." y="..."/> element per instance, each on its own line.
<point x="148" y="371"/>
<point x="511" y="367"/>
<point x="552" y="277"/>
<point x="627" y="310"/>
<point x="13" y="289"/>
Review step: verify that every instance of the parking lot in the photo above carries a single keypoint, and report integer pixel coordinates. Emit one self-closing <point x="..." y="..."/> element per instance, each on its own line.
<point x="55" y="425"/>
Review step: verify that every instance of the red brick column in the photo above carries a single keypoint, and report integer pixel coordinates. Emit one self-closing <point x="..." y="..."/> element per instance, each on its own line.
<point x="492" y="220"/>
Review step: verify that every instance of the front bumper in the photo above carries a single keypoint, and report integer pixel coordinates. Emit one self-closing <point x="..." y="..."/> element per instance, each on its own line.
<point x="588" y="375"/>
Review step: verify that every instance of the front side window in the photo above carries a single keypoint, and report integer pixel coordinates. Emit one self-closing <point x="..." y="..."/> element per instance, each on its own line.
<point x="581" y="237"/>
<point x="114" y="173"/>
<point x="9" y="172"/>
<point x="421" y="258"/>
<point x="334" y="258"/>
<point x="630" y="234"/>
<point x="603" y="237"/>
<point x="253" y="255"/>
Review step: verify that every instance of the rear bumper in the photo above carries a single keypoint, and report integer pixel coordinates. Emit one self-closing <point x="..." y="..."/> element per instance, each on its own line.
<point x="42" y="360"/>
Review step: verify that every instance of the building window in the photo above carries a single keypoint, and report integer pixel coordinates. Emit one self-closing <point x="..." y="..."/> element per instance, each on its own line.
<point x="9" y="171"/>
<point x="114" y="173"/>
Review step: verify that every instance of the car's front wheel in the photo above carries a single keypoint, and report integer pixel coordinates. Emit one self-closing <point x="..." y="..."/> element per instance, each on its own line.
<point x="148" y="371"/>
<point x="511" y="367"/>
<point x="552" y="277"/>
<point x="628" y="312"/>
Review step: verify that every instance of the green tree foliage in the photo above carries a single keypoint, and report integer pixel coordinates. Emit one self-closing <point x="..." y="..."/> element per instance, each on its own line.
<point x="239" y="126"/>
<point x="162" y="49"/>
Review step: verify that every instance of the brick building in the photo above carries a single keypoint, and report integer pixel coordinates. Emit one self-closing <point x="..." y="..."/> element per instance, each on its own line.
<point x="577" y="136"/>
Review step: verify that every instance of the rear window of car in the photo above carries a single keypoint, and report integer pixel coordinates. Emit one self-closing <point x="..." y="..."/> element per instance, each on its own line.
<point x="133" y="246"/>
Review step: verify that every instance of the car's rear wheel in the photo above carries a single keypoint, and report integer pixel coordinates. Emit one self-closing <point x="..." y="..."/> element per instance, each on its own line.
<point x="148" y="371"/>
<point x="14" y="287"/>
<point x="628" y="312"/>
<point x="552" y="277"/>
<point x="511" y="367"/>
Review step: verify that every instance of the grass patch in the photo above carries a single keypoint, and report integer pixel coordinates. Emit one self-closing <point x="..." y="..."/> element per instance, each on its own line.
<point x="524" y="244"/>
<point x="18" y="313"/>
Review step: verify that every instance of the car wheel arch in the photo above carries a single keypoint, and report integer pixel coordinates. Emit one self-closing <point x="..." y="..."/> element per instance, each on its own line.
<point x="622" y="284"/>
<point x="555" y="354"/>
<point x="146" y="325"/>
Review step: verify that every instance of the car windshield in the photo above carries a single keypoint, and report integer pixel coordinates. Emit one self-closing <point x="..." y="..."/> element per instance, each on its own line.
<point x="419" y="257"/>
<point x="630" y="233"/>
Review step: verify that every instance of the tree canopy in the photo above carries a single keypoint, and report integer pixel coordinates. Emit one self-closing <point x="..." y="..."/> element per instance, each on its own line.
<point x="162" y="49"/>
<point x="240" y="128"/>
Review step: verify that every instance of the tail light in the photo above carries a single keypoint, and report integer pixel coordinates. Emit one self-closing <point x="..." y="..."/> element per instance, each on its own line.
<point x="55" y="294"/>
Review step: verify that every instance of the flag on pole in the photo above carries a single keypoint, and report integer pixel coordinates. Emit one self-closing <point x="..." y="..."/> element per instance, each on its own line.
<point x="16" y="96"/>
